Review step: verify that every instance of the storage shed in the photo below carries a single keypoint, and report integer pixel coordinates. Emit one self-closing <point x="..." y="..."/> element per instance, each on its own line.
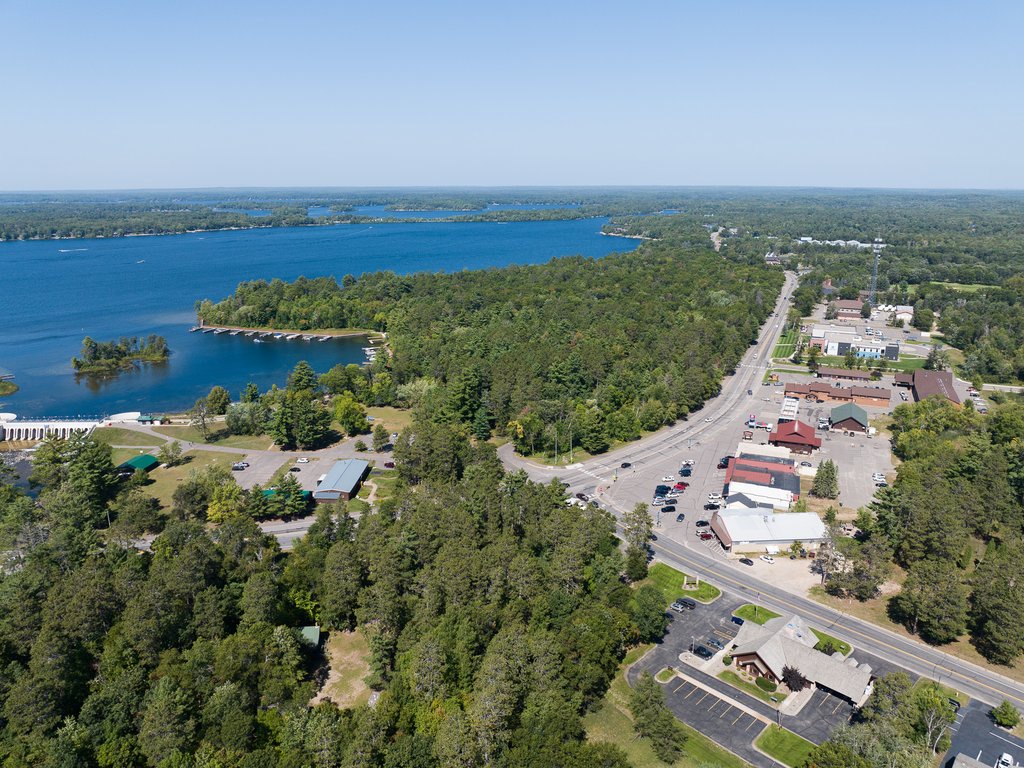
<point x="342" y="481"/>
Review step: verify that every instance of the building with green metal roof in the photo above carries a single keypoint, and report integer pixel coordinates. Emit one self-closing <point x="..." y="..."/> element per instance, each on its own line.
<point x="850" y="417"/>
<point x="145" y="462"/>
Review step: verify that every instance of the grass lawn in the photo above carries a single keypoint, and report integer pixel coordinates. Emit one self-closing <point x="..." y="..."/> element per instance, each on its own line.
<point x="219" y="436"/>
<point x="905" y="364"/>
<point x="949" y="693"/>
<point x="670" y="582"/>
<point x="964" y="287"/>
<point x="120" y="436"/>
<point x="166" y="480"/>
<point x="386" y="481"/>
<point x="840" y="646"/>
<point x="611" y="722"/>
<point x="785" y="746"/>
<point x="738" y="682"/>
<point x="665" y="675"/>
<point x="358" y="506"/>
<point x="754" y="613"/>
<point x="787" y="344"/>
<point x="348" y="657"/>
<point x="393" y="419"/>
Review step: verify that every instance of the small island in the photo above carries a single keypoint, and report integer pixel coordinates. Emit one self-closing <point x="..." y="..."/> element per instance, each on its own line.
<point x="7" y="387"/>
<point x="105" y="358"/>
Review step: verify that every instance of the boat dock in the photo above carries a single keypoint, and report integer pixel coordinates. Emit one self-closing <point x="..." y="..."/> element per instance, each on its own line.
<point x="257" y="335"/>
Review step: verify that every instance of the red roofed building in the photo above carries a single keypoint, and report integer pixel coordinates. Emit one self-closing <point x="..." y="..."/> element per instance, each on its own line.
<point x="796" y="436"/>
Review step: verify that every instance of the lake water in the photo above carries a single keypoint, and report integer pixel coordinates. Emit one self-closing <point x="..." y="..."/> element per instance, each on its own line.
<point x="55" y="292"/>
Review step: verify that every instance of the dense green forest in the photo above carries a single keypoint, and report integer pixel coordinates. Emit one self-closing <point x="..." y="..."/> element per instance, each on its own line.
<point x="106" y="357"/>
<point x="573" y="353"/>
<point x="496" y="615"/>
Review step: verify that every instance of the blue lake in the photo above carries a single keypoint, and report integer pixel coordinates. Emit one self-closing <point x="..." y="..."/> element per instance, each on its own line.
<point x="56" y="292"/>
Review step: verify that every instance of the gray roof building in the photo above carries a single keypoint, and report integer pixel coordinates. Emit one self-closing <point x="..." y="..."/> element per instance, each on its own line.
<point x="787" y="641"/>
<point x="342" y="481"/>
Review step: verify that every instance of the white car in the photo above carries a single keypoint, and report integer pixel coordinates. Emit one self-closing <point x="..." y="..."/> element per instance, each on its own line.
<point x="302" y="460"/>
<point x="708" y="419"/>
<point x="1005" y="761"/>
<point x="687" y="462"/>
<point x="714" y="498"/>
<point x="668" y="479"/>
<point x="767" y="558"/>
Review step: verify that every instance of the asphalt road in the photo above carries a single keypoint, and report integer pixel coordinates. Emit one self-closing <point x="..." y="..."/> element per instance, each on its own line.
<point x="653" y="455"/>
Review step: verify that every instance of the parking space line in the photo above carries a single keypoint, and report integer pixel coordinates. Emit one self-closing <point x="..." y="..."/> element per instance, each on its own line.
<point x="714" y="704"/>
<point x="838" y="707"/>
<point x="738" y="718"/>
<point x="703" y="697"/>
<point x="695" y="689"/>
<point x="725" y="713"/>
<point x="752" y="721"/>
<point x="824" y="698"/>
<point x="680" y="686"/>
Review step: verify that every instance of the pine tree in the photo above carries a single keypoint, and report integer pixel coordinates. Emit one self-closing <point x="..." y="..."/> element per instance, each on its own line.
<point x="826" y="480"/>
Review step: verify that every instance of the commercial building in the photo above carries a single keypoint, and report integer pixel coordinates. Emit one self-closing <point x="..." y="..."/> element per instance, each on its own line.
<point x="764" y="650"/>
<point x="903" y="312"/>
<point x="760" y="529"/>
<point x="796" y="436"/>
<point x="342" y="481"/>
<point x="848" y="309"/>
<point x="835" y="393"/>
<point x="848" y="374"/>
<point x="849" y="417"/>
<point x="926" y="384"/>
<point x="11" y="428"/>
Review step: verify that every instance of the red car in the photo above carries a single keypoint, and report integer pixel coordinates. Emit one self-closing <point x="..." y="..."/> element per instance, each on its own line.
<point x="681" y="486"/>
<point x="705" y="536"/>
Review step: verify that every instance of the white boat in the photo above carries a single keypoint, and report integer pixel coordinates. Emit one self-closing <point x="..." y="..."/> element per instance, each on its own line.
<point x="257" y="341"/>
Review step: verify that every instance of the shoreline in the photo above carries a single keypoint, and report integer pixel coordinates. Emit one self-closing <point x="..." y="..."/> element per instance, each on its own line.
<point x="338" y="333"/>
<point x="628" y="237"/>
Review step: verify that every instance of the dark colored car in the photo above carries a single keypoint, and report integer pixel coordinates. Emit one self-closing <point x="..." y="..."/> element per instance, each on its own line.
<point x="737" y="621"/>
<point x="711" y="506"/>
<point x="954" y="704"/>
<point x="564" y="485"/>
<point x="389" y="465"/>
<point x="705" y="536"/>
<point x="723" y="463"/>
<point x="703" y="652"/>
<point x="746" y="561"/>
<point x="680" y="517"/>
<point x="625" y="465"/>
<point x="669" y="509"/>
<point x="750" y="391"/>
<point x="714" y="642"/>
<point x="702" y="523"/>
<point x="294" y="469"/>
<point x="582" y="496"/>
<point x="685" y="472"/>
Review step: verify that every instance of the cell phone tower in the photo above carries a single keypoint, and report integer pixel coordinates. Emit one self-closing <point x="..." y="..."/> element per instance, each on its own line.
<point x="877" y="251"/>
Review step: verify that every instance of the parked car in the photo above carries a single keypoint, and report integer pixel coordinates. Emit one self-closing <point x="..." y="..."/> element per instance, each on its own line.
<point x="625" y="465"/>
<point x="746" y="561"/>
<point x="294" y="469"/>
<point x="714" y="497"/>
<point x="881" y="484"/>
<point x="237" y="468"/>
<point x="565" y="485"/>
<point x="680" y="517"/>
<point x="685" y="472"/>
<point x="582" y="496"/>
<point x="705" y="536"/>
<point x="669" y="509"/>
<point x="683" y="604"/>
<point x="737" y="621"/>
<point x="723" y="463"/>
<point x="1005" y="760"/>
<point x="750" y="391"/>
<point x="714" y="642"/>
<point x="389" y="465"/>
<point x="806" y="464"/>
<point x="702" y="524"/>
<point x="668" y="479"/>
<point x="703" y="652"/>
<point x="687" y="462"/>
<point x="954" y="704"/>
<point x="768" y="559"/>
<point x="710" y="506"/>
<point x="680" y="486"/>
<point x="302" y="460"/>
<point x="657" y="501"/>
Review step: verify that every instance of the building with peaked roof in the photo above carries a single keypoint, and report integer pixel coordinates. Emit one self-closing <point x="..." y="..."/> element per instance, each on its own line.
<point x="762" y="495"/>
<point x="144" y="462"/>
<point x="342" y="481"/>
<point x="835" y="393"/>
<point x="848" y="309"/>
<point x="759" y="528"/>
<point x="852" y="374"/>
<point x="934" y="383"/>
<point x="796" y="436"/>
<point x="849" y="417"/>
<point x="786" y="641"/>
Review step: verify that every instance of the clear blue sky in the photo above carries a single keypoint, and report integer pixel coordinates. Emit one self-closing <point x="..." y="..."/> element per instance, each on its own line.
<point x="184" y="94"/>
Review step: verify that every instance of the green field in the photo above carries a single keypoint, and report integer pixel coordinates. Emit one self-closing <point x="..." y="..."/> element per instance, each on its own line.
<point x="785" y="746"/>
<point x="164" y="481"/>
<point x="754" y="613"/>
<point x="787" y="344"/>
<point x="121" y="436"/>
<point x="670" y="582"/>
<point x="393" y="419"/>
<point x="840" y="646"/>
<point x="904" y="364"/>
<point x="218" y="436"/>
<point x="611" y="722"/>
<point x="738" y="682"/>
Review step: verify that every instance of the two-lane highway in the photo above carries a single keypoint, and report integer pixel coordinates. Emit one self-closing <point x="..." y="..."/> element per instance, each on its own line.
<point x="716" y="419"/>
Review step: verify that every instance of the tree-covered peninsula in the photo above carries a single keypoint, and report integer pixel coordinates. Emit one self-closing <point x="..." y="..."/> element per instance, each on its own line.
<point x="575" y="353"/>
<point x="111" y="357"/>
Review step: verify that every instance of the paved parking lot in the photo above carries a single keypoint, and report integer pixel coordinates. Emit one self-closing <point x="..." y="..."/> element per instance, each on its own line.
<point x="975" y="735"/>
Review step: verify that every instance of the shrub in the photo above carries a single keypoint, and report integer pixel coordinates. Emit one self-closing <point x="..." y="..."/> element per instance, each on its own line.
<point x="360" y="446"/>
<point x="794" y="679"/>
<point x="727" y="660"/>
<point x="1006" y="715"/>
<point x="766" y="685"/>
<point x="826" y="647"/>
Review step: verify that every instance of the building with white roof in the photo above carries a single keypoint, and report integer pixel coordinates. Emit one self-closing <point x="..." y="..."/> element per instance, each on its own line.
<point x="758" y="529"/>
